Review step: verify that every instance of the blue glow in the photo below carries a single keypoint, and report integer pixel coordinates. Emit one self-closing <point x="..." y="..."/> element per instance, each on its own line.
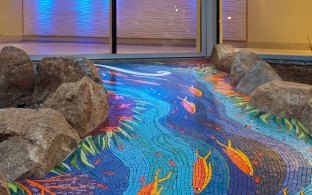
<point x="72" y="18"/>
<point x="45" y="17"/>
<point x="82" y="18"/>
<point x="85" y="16"/>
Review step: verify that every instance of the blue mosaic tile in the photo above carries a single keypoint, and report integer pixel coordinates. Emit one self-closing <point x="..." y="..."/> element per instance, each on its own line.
<point x="161" y="113"/>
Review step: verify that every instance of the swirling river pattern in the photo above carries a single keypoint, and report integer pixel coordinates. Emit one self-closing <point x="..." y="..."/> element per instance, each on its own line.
<point x="178" y="127"/>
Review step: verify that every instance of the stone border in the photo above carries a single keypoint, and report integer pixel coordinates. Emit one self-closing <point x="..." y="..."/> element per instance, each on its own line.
<point x="254" y="76"/>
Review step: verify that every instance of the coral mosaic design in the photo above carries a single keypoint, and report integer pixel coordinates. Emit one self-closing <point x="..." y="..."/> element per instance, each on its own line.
<point x="179" y="127"/>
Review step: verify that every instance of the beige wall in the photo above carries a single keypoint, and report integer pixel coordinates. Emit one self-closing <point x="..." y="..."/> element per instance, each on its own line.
<point x="279" y="23"/>
<point x="11" y="22"/>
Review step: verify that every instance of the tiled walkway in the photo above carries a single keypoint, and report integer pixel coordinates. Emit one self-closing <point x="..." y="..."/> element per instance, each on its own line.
<point x="178" y="127"/>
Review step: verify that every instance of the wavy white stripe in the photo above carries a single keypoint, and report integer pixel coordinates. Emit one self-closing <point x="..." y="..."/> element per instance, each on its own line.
<point x="158" y="73"/>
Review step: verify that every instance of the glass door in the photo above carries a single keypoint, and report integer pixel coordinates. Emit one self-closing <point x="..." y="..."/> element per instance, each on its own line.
<point x="56" y="27"/>
<point x="148" y="26"/>
<point x="144" y="28"/>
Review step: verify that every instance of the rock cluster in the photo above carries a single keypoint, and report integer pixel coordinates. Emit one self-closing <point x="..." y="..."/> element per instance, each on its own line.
<point x="45" y="109"/>
<point x="241" y="63"/>
<point x="252" y="76"/>
<point x="259" y="73"/>
<point x="219" y="51"/>
<point x="33" y="141"/>
<point x="83" y="104"/>
<point x="247" y="70"/>
<point x="52" y="72"/>
<point x="287" y="99"/>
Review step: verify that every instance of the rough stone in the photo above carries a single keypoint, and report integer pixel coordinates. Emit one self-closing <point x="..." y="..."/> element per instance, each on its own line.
<point x="241" y="63"/>
<point x="225" y="63"/>
<point x="52" y="72"/>
<point x="283" y="98"/>
<point x="16" y="70"/>
<point x="219" y="51"/>
<point x="17" y="77"/>
<point x="306" y="117"/>
<point x="83" y="103"/>
<point x="32" y="142"/>
<point x="259" y="73"/>
<point x="4" y="190"/>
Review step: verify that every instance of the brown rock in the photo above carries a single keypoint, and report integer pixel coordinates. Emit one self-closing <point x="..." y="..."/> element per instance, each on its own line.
<point x="16" y="71"/>
<point x="33" y="141"/>
<point x="283" y="98"/>
<point x="17" y="78"/>
<point x="4" y="190"/>
<point x="52" y="72"/>
<point x="259" y="73"/>
<point x="219" y="51"/>
<point x="225" y="63"/>
<point x="84" y="104"/>
<point x="306" y="117"/>
<point x="241" y="63"/>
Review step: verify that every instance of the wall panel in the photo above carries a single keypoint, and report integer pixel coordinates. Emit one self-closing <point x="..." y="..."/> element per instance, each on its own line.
<point x="234" y="20"/>
<point x="79" y="18"/>
<point x="174" y="19"/>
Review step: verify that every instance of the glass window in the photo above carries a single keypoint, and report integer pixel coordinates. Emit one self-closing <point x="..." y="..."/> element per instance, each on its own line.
<point x="148" y="26"/>
<point x="269" y="27"/>
<point x="42" y="27"/>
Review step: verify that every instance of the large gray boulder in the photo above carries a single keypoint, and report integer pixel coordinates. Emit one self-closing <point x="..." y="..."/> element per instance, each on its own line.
<point x="4" y="190"/>
<point x="16" y="71"/>
<point x="52" y="72"/>
<point x="83" y="103"/>
<point x="259" y="73"/>
<point x="241" y="63"/>
<point x="283" y="98"/>
<point x="306" y="117"/>
<point x="219" y="51"/>
<point x="33" y="142"/>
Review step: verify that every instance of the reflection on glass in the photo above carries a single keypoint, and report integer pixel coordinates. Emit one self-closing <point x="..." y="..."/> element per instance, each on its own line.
<point x="55" y="27"/>
<point x="48" y="27"/>
<point x="148" y="26"/>
<point x="272" y="27"/>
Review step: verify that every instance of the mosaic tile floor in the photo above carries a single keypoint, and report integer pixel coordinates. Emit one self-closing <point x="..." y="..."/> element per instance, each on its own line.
<point x="178" y="127"/>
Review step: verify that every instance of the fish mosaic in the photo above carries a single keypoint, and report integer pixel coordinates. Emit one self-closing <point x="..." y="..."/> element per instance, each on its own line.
<point x="238" y="158"/>
<point x="202" y="173"/>
<point x="189" y="106"/>
<point x="153" y="187"/>
<point x="177" y="126"/>
<point x="195" y="91"/>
